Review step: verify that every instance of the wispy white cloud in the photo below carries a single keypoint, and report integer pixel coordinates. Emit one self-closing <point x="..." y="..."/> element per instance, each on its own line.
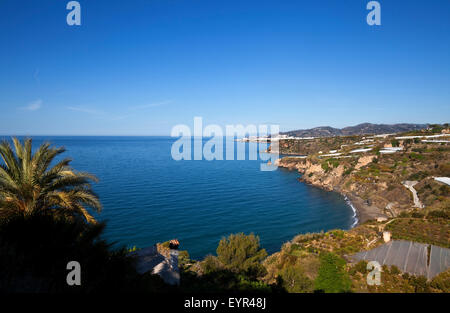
<point x="98" y="113"/>
<point x="151" y="105"/>
<point x="124" y="115"/>
<point x="85" y="110"/>
<point x="33" y="106"/>
<point x="121" y="117"/>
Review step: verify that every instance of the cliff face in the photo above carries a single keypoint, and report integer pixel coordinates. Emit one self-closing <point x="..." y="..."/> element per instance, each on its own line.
<point x="371" y="198"/>
<point x="314" y="174"/>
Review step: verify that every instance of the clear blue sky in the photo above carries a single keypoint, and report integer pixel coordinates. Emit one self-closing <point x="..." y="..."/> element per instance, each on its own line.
<point x="140" y="67"/>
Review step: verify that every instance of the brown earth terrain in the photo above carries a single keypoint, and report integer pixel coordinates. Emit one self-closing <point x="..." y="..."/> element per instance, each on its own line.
<point x="373" y="180"/>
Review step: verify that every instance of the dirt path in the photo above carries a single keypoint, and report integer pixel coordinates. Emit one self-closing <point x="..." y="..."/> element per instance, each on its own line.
<point x="410" y="185"/>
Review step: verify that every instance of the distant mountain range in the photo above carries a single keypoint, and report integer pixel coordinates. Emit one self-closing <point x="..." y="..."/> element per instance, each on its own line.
<point x="360" y="129"/>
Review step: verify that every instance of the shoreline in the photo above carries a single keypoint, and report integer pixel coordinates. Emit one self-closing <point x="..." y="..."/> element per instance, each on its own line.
<point x="356" y="216"/>
<point x="362" y="211"/>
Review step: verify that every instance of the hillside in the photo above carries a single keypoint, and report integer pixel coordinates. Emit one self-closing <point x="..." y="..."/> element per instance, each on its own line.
<point x="371" y="171"/>
<point x="318" y="262"/>
<point x="360" y="129"/>
<point x="378" y="175"/>
<point x="302" y="261"/>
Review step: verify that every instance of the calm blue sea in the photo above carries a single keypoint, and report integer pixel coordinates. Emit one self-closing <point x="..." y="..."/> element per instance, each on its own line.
<point x="148" y="197"/>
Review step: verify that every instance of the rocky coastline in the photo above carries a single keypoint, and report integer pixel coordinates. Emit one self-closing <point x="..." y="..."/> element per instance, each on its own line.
<point x="363" y="209"/>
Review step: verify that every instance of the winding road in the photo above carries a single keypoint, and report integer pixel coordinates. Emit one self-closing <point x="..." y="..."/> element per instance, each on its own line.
<point x="410" y="185"/>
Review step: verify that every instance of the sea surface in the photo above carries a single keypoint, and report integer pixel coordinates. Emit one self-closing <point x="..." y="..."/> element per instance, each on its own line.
<point x="148" y="197"/>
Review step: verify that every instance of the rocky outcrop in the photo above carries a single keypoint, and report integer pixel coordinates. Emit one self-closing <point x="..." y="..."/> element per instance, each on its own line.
<point x="163" y="264"/>
<point x="363" y="161"/>
<point x="315" y="175"/>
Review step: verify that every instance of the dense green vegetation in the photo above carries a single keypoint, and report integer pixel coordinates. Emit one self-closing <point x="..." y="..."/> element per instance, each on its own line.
<point x="241" y="253"/>
<point x="237" y="267"/>
<point x="433" y="231"/>
<point x="317" y="263"/>
<point x="293" y="279"/>
<point x="332" y="276"/>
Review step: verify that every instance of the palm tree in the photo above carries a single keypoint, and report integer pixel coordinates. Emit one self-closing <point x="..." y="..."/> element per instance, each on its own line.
<point x="28" y="183"/>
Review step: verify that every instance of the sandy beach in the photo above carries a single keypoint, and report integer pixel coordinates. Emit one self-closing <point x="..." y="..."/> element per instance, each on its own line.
<point x="364" y="212"/>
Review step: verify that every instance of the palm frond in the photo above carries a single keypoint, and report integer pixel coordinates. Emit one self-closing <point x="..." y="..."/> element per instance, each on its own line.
<point x="28" y="184"/>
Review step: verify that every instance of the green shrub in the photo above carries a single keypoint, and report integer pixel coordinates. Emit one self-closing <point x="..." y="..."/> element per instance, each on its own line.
<point x="348" y="171"/>
<point x="338" y="233"/>
<point x="332" y="276"/>
<point x="325" y="166"/>
<point x="334" y="162"/>
<point x="439" y="214"/>
<point x="420" y="284"/>
<point x="210" y="264"/>
<point x="220" y="281"/>
<point x="395" y="270"/>
<point x="242" y="253"/>
<point x="293" y="279"/>
<point x="183" y="258"/>
<point x="436" y="128"/>
<point x="418" y="176"/>
<point x="444" y="169"/>
<point x="132" y="249"/>
<point x="442" y="282"/>
<point x="444" y="190"/>
<point x="361" y="267"/>
<point x="418" y="150"/>
<point x="416" y="156"/>
<point x="416" y="214"/>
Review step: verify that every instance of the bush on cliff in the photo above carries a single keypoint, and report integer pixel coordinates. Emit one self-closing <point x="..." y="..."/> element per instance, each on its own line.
<point x="293" y="279"/>
<point x="332" y="277"/>
<point x="236" y="268"/>
<point x="211" y="264"/>
<point x="241" y="253"/>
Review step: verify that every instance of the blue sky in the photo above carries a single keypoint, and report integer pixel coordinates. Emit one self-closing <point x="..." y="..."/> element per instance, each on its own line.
<point x="141" y="67"/>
